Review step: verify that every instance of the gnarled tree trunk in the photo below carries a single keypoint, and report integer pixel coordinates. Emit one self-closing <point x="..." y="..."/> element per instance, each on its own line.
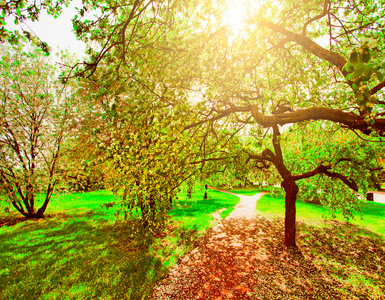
<point x="291" y="191"/>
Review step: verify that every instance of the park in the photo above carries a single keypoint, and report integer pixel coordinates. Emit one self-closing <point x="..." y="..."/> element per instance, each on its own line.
<point x="197" y="150"/>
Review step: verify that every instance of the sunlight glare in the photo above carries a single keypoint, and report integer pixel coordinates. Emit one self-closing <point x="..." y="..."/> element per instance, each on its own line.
<point x="236" y="13"/>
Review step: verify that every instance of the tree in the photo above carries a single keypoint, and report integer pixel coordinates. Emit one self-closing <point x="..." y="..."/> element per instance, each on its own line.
<point x="275" y="60"/>
<point x="33" y="116"/>
<point x="326" y="143"/>
<point x="139" y="137"/>
<point x="271" y="74"/>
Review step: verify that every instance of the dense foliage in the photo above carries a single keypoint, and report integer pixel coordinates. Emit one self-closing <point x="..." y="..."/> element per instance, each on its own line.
<point x="174" y="74"/>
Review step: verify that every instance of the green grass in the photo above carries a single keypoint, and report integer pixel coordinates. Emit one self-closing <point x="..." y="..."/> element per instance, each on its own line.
<point x="372" y="215"/>
<point x="197" y="212"/>
<point x="251" y="190"/>
<point x="79" y="252"/>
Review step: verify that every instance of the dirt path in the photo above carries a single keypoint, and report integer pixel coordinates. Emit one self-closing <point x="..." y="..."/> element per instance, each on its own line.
<point x="221" y="267"/>
<point x="246" y="206"/>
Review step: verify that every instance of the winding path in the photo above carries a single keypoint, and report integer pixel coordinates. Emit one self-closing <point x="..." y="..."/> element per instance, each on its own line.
<point x="221" y="266"/>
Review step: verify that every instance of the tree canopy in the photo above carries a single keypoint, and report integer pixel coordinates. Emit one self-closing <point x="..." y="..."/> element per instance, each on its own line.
<point x="236" y="90"/>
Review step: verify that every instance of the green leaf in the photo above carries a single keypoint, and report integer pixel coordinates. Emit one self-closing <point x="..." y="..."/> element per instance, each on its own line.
<point x="358" y="68"/>
<point x="367" y="70"/>
<point x="353" y="57"/>
<point x="349" y="76"/>
<point x="380" y="76"/>
<point x="365" y="57"/>
<point x="347" y="66"/>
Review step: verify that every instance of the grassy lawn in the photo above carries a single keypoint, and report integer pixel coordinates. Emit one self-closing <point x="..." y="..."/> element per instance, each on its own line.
<point x="251" y="190"/>
<point x="198" y="212"/>
<point x="79" y="252"/>
<point x="372" y="215"/>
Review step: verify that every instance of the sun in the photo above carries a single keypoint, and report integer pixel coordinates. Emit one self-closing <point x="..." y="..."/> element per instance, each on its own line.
<point x="235" y="15"/>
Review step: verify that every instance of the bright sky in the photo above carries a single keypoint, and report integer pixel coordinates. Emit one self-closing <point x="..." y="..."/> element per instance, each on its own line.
<point x="57" y="33"/>
<point x="236" y="13"/>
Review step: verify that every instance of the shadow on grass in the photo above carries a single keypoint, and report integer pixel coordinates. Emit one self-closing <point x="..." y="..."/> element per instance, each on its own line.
<point x="76" y="258"/>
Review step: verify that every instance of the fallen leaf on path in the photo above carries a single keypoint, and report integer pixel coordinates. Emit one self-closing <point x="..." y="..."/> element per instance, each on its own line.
<point x="227" y="293"/>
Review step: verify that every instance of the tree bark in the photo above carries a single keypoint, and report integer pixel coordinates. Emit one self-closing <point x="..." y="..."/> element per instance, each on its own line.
<point x="291" y="191"/>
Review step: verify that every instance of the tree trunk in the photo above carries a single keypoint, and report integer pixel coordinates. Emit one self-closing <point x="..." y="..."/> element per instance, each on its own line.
<point x="146" y="210"/>
<point x="205" y="195"/>
<point x="291" y="190"/>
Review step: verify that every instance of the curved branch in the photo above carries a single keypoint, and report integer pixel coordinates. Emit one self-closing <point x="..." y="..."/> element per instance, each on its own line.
<point x="266" y="155"/>
<point x="318" y="170"/>
<point x="222" y="114"/>
<point x="351" y="120"/>
<point x="325" y="170"/>
<point x="330" y="56"/>
<point x="349" y="182"/>
<point x="377" y="88"/>
<point x="320" y="16"/>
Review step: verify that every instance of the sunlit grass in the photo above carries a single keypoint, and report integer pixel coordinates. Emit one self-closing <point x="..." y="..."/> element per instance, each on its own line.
<point x="79" y="252"/>
<point x="251" y="190"/>
<point x="371" y="216"/>
<point x="197" y="212"/>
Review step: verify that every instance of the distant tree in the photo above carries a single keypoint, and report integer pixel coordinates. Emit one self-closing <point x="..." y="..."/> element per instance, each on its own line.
<point x="33" y="115"/>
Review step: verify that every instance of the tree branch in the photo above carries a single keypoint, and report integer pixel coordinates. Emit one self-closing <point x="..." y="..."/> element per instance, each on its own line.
<point x="377" y="88"/>
<point x="321" y="15"/>
<point x="332" y="57"/>
<point x="349" y="182"/>
<point x="351" y="120"/>
<point x="221" y="115"/>
<point x="325" y="170"/>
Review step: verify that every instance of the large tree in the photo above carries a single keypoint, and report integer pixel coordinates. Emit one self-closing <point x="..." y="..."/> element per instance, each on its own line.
<point x="268" y="72"/>
<point x="33" y="114"/>
<point x="272" y="73"/>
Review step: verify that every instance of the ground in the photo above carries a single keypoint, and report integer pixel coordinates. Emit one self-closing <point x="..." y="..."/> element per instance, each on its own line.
<point x="242" y="257"/>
